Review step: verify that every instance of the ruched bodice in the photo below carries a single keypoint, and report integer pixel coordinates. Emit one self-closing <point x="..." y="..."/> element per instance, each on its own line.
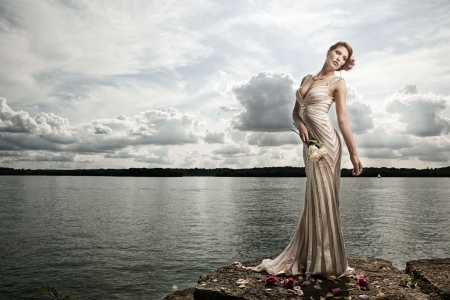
<point x="317" y="247"/>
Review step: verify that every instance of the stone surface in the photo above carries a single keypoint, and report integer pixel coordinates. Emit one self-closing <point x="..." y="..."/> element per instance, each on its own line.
<point x="187" y="294"/>
<point x="383" y="277"/>
<point x="434" y="271"/>
<point x="431" y="275"/>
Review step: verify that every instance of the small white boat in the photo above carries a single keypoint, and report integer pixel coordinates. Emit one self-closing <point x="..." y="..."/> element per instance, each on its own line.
<point x="379" y="175"/>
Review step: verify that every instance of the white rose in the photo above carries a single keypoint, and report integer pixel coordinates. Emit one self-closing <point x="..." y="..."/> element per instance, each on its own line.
<point x="314" y="156"/>
<point x="322" y="151"/>
<point x="312" y="149"/>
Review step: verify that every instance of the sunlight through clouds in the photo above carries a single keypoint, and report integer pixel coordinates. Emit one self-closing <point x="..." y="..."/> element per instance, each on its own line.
<point x="98" y="84"/>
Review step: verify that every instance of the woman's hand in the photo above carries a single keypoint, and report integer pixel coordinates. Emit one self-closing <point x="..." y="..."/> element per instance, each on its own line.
<point x="303" y="132"/>
<point x="357" y="165"/>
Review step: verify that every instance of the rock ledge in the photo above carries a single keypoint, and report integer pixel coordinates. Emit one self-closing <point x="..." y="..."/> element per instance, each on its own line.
<point x="382" y="275"/>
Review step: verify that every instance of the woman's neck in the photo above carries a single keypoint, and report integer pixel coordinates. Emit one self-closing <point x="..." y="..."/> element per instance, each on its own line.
<point x="326" y="71"/>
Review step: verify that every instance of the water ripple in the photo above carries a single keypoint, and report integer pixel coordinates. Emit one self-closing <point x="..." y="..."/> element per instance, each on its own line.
<point x="133" y="238"/>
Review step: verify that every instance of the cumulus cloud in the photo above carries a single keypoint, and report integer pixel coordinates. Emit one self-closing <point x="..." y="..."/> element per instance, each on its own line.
<point x="421" y="114"/>
<point x="54" y="134"/>
<point x="378" y="153"/>
<point x="383" y="139"/>
<point x="212" y="137"/>
<point x="43" y="156"/>
<point x="159" y="155"/>
<point x="268" y="99"/>
<point x="360" y="114"/>
<point x="12" y="121"/>
<point x="102" y="129"/>
<point x="352" y="94"/>
<point x="165" y="126"/>
<point x="228" y="108"/>
<point x="430" y="149"/>
<point x="232" y="150"/>
<point x="273" y="138"/>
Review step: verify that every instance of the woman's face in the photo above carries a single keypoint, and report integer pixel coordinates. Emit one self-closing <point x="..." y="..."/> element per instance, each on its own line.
<point x="337" y="57"/>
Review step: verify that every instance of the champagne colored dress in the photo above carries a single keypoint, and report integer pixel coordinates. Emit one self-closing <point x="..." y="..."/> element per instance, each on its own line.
<point x="317" y="247"/>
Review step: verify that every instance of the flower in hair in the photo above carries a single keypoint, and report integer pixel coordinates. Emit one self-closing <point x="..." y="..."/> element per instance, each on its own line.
<point x="350" y="64"/>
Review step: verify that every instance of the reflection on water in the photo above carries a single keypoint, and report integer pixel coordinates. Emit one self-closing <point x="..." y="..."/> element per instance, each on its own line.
<point x="119" y="238"/>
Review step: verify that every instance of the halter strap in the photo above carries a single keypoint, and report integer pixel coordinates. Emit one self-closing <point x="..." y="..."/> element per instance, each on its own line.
<point x="335" y="79"/>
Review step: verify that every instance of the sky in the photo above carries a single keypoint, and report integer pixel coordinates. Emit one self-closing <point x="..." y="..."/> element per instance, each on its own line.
<point x="211" y="84"/>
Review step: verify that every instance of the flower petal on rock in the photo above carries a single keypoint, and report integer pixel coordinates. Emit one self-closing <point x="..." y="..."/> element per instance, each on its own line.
<point x="335" y="290"/>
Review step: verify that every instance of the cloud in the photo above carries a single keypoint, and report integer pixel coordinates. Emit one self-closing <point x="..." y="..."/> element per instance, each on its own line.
<point x="88" y="64"/>
<point x="232" y="150"/>
<point x="273" y="139"/>
<point x="384" y="139"/>
<point x="166" y="126"/>
<point x="421" y="114"/>
<point x="430" y="149"/>
<point x="378" y="153"/>
<point x="359" y="113"/>
<point x="102" y="129"/>
<point x="228" y="108"/>
<point x="212" y="137"/>
<point x="158" y="156"/>
<point x="49" y="132"/>
<point x="360" y="116"/>
<point x="268" y="99"/>
<point x="12" y="121"/>
<point x="43" y="156"/>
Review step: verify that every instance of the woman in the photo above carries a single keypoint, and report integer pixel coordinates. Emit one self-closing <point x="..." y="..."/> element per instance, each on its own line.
<point x="317" y="247"/>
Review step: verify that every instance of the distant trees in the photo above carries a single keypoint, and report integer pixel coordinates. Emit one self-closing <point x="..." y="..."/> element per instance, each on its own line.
<point x="226" y="172"/>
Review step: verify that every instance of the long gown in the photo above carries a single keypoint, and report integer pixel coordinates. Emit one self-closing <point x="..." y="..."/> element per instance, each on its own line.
<point x="317" y="247"/>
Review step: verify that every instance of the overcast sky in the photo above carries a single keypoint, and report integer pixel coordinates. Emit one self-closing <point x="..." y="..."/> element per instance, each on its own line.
<point x="120" y="84"/>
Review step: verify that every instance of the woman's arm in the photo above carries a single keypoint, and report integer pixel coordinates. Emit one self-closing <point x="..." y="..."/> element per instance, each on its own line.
<point x="298" y="121"/>
<point x="345" y="127"/>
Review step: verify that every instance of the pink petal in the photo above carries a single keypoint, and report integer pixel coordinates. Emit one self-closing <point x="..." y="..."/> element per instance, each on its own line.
<point x="363" y="297"/>
<point x="317" y="286"/>
<point x="336" y="291"/>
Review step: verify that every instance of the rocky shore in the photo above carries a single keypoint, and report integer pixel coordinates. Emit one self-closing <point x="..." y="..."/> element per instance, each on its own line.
<point x="422" y="279"/>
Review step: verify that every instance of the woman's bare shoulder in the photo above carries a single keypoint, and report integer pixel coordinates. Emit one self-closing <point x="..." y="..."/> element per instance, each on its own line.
<point x="340" y="83"/>
<point x="305" y="78"/>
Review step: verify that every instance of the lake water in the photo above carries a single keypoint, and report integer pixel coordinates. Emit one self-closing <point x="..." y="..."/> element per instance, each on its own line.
<point x="134" y="238"/>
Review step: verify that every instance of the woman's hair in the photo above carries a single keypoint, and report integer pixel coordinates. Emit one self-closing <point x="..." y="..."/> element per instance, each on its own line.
<point x="346" y="45"/>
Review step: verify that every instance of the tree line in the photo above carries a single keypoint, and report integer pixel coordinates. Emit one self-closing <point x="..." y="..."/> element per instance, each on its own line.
<point x="226" y="172"/>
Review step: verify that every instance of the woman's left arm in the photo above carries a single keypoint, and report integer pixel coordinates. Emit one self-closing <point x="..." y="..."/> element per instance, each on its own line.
<point x="344" y="125"/>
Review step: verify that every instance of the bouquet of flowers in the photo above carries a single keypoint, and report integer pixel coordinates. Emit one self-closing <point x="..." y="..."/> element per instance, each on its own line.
<point x="315" y="148"/>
